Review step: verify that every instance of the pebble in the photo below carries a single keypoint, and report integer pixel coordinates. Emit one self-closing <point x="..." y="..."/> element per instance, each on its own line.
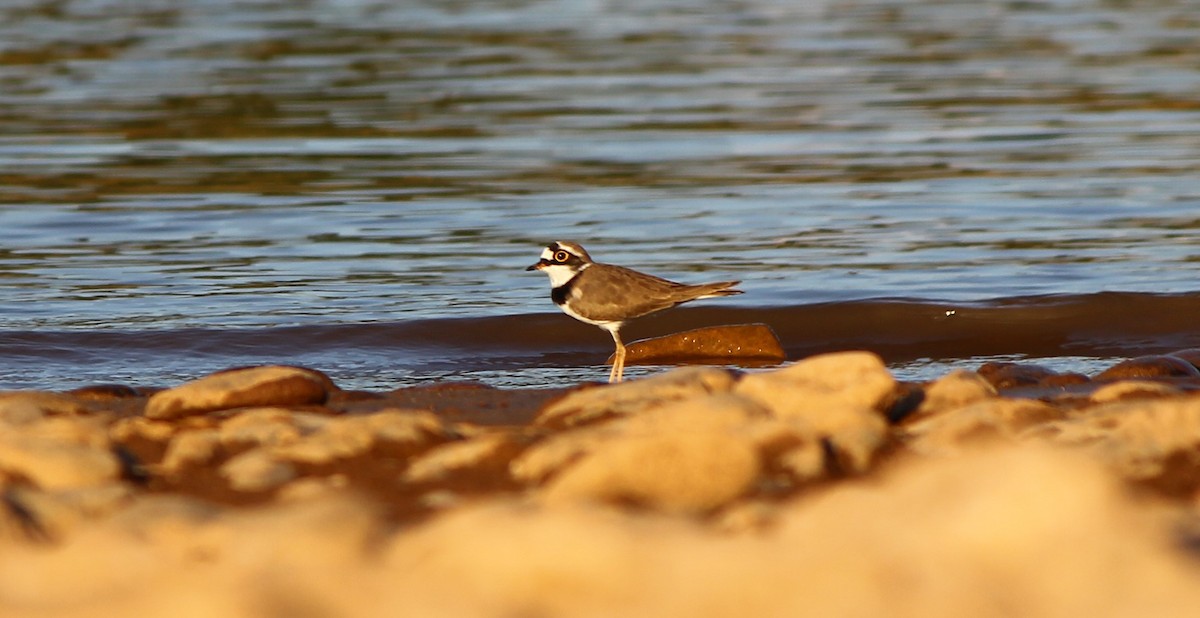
<point x="256" y="471"/>
<point x="674" y="473"/>
<point x="51" y="462"/>
<point x="487" y="455"/>
<point x="272" y="385"/>
<point x="1133" y="389"/>
<point x="811" y="388"/>
<point x="1160" y="366"/>
<point x="953" y="390"/>
<point x="21" y="407"/>
<point x="633" y="396"/>
<point x="1154" y="441"/>
<point x="1003" y="375"/>
<point x="833" y="401"/>
<point x="984" y="421"/>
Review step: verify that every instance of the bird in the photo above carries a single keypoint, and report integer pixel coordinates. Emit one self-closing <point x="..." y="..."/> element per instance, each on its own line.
<point x="608" y="296"/>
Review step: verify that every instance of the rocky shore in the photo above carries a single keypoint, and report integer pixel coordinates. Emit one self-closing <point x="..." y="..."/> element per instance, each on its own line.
<point x="823" y="487"/>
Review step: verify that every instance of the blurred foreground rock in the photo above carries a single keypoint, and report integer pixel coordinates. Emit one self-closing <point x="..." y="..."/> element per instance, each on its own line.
<point x="825" y="487"/>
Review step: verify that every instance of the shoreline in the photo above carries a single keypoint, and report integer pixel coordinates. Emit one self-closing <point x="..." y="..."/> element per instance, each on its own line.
<point x="1089" y="329"/>
<point x="458" y="498"/>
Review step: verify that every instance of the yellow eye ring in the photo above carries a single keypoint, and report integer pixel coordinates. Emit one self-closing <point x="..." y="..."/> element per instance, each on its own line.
<point x="561" y="256"/>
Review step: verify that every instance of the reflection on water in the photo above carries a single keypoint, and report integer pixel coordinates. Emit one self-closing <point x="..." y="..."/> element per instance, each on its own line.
<point x="168" y="163"/>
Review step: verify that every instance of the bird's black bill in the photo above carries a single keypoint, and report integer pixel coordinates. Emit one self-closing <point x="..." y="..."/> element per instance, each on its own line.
<point x="539" y="265"/>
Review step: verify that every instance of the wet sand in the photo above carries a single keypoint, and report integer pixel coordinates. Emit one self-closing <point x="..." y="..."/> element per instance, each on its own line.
<point x="823" y="487"/>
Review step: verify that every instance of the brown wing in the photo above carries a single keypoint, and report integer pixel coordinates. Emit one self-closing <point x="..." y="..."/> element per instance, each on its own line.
<point x="628" y="294"/>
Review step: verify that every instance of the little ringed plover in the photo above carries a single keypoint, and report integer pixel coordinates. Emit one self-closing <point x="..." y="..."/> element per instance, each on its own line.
<point x="608" y="295"/>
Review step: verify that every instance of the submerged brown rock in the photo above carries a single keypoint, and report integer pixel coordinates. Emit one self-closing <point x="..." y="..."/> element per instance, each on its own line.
<point x="740" y="343"/>
<point x="670" y="495"/>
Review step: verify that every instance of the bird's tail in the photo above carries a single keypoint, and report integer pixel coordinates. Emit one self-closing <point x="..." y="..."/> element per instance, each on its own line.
<point x="712" y="290"/>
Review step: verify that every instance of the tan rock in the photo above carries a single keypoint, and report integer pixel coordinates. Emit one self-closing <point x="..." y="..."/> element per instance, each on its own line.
<point x="255" y="386"/>
<point x="141" y="438"/>
<point x="191" y="448"/>
<point x="1151" y="440"/>
<point x="139" y="427"/>
<point x="676" y="473"/>
<point x="811" y="387"/>
<point x="954" y="390"/>
<point x="59" y="453"/>
<point x="833" y="400"/>
<point x="392" y="433"/>
<point x="20" y="407"/>
<point x="703" y="413"/>
<point x="1034" y="531"/>
<point x="721" y="412"/>
<point x="179" y="529"/>
<point x="259" y="426"/>
<point x="807" y="461"/>
<point x="1133" y="389"/>
<point x="487" y="454"/>
<point x="633" y="397"/>
<point x="983" y="421"/>
<point x="256" y="471"/>
<point x="334" y="442"/>
<point x="42" y="516"/>
<point x="542" y="460"/>
<point x="406" y="430"/>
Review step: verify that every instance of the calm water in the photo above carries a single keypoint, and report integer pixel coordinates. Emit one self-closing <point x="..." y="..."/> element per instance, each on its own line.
<point x="189" y="185"/>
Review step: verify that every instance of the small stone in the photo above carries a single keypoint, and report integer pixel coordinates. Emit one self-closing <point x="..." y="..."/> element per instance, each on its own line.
<point x="145" y="439"/>
<point x="1003" y="375"/>
<point x="391" y="433"/>
<point x="53" y="461"/>
<point x="334" y="442"/>
<point x="21" y="407"/>
<point x="259" y="426"/>
<point x="724" y="413"/>
<point x="954" y="390"/>
<point x="1133" y="389"/>
<point x="256" y="471"/>
<point x="804" y="462"/>
<point x="675" y="473"/>
<point x="191" y="448"/>
<point x="1153" y="441"/>
<point x="832" y="400"/>
<point x="488" y="455"/>
<point x="632" y="397"/>
<point x="256" y="386"/>
<point x="1191" y="355"/>
<point x="729" y="344"/>
<point x="50" y="515"/>
<point x="997" y="418"/>
<point x="809" y="387"/>
<point x="542" y="460"/>
<point x="1160" y="366"/>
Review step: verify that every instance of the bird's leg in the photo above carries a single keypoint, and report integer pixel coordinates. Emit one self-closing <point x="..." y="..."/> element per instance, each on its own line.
<point x="618" y="367"/>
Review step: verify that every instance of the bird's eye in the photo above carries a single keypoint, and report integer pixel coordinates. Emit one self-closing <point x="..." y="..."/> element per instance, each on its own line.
<point x="561" y="256"/>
